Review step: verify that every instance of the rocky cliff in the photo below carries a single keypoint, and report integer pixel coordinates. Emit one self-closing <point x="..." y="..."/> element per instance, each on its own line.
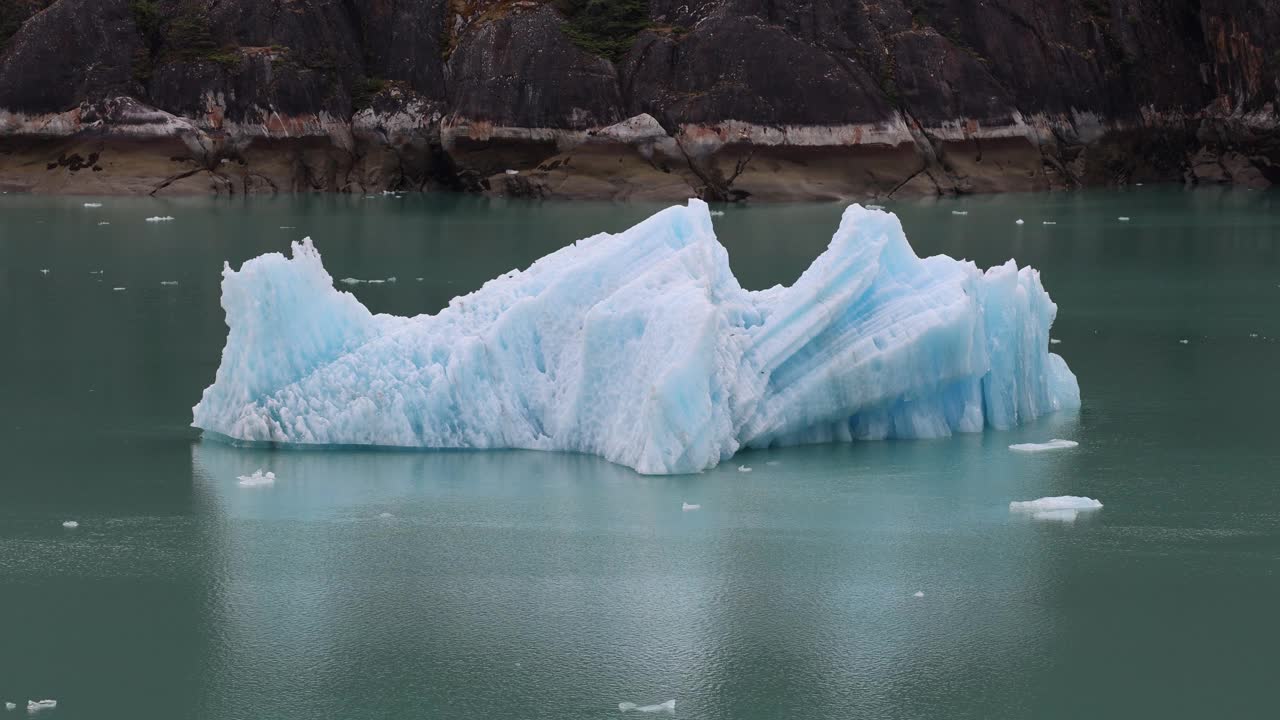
<point x="726" y="99"/>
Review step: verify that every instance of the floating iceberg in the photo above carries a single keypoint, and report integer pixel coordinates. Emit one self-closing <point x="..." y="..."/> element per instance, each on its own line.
<point x="70" y="524"/>
<point x="642" y="348"/>
<point x="668" y="706"/>
<point x="687" y="507"/>
<point x="918" y="593"/>
<point x="10" y="706"/>
<point x="1055" y="504"/>
<point x="257" y="479"/>
<point x="38" y="705"/>
<point x="93" y="205"/>
<point x="1054" y="444"/>
<point x="160" y="218"/>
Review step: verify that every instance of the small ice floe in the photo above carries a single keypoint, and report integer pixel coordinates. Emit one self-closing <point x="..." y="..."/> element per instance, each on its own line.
<point x="70" y="524"/>
<point x="717" y="213"/>
<point x="686" y="507"/>
<point x="391" y="279"/>
<point x="668" y="706"/>
<point x="512" y="172"/>
<point x="1123" y="218"/>
<point x="1054" y="341"/>
<point x="919" y="593"/>
<point x="95" y="272"/>
<point x="386" y="515"/>
<point x="104" y="222"/>
<point x="418" y="279"/>
<point x="744" y="468"/>
<point x="1138" y="184"/>
<point x="1054" y="444"/>
<point x="288" y="227"/>
<point x="1019" y="221"/>
<point x="10" y="706"/>
<point x="38" y="705"/>
<point x="959" y="212"/>
<point x="1048" y="222"/>
<point x="375" y="282"/>
<point x="168" y="282"/>
<point x="118" y="289"/>
<point x="350" y="281"/>
<point x="1253" y="335"/>
<point x="159" y="218"/>
<point x="93" y="205"/>
<point x="258" y="479"/>
<point x="1184" y="341"/>
<point x="1063" y="508"/>
<point x="44" y="271"/>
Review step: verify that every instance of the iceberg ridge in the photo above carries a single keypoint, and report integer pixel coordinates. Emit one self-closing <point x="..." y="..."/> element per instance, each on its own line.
<point x="642" y="348"/>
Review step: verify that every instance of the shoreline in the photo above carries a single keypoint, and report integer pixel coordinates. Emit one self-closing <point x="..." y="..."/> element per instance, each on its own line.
<point x="123" y="147"/>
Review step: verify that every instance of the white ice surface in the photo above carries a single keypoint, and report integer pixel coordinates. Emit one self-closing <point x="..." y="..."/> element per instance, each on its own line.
<point x="258" y="479"/>
<point x="641" y="347"/>
<point x="38" y="705"/>
<point x="668" y="706"/>
<point x="1054" y="444"/>
<point x="70" y="524"/>
<point x="1053" y="504"/>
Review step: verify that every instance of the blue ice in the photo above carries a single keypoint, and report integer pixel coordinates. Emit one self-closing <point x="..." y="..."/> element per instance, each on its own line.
<point x="643" y="348"/>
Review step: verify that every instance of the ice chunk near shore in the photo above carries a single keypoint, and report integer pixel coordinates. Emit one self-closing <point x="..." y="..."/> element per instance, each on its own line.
<point x="642" y="347"/>
<point x="1054" y="444"/>
<point x="158" y="218"/>
<point x="258" y="479"/>
<point x="687" y="507"/>
<point x="668" y="706"/>
<point x="38" y="705"/>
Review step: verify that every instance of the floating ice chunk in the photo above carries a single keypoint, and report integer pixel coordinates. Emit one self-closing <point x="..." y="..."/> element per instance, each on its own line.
<point x="288" y="227"/>
<point x="257" y="479"/>
<point x="350" y="281"/>
<point x="118" y="289"/>
<point x="1184" y="341"/>
<point x="1052" y="504"/>
<point x="386" y="515"/>
<point x="1253" y="335"/>
<point x="93" y="205"/>
<point x="959" y="212"/>
<point x="668" y="706"/>
<point x="512" y="172"/>
<point x="418" y="279"/>
<point x="686" y="507"/>
<point x="1063" y="515"/>
<point x="643" y="348"/>
<point x="44" y="271"/>
<point x="38" y="705"/>
<point x="1123" y="218"/>
<point x="391" y="279"/>
<point x="10" y="706"/>
<point x="159" y="218"/>
<point x="169" y="282"/>
<point x="1019" y="221"/>
<point x="918" y="593"/>
<point x="744" y="468"/>
<point x="70" y="524"/>
<point x="1048" y="222"/>
<point x="1054" y="341"/>
<point x="1054" y="444"/>
<point x="95" y="272"/>
<point x="104" y="222"/>
<point x="717" y="213"/>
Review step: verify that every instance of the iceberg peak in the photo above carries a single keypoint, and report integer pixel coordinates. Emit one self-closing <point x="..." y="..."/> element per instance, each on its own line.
<point x="642" y="347"/>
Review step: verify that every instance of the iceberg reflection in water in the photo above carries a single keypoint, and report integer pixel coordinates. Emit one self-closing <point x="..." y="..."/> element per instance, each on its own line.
<point x="643" y="348"/>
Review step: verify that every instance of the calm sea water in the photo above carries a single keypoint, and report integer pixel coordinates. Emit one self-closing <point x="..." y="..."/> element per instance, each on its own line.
<point x="526" y="585"/>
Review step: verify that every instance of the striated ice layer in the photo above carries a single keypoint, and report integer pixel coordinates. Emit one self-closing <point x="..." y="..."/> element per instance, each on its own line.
<point x="642" y="348"/>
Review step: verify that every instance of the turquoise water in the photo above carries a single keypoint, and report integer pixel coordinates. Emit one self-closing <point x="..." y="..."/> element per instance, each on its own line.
<point x="527" y="585"/>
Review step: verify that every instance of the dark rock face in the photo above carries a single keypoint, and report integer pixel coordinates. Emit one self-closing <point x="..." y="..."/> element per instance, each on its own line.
<point x="729" y="99"/>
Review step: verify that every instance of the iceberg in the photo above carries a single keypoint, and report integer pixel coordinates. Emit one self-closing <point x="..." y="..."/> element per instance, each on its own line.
<point x="257" y="479"/>
<point x="687" y="507"/>
<point x="1055" y="504"/>
<point x="1054" y="444"/>
<point x="668" y="706"/>
<point x="38" y="705"/>
<point x="642" y="347"/>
